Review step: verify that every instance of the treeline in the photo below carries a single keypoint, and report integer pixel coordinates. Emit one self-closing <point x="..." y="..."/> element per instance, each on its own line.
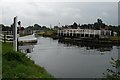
<point x="27" y="30"/>
<point x="6" y="28"/>
<point x="97" y="26"/>
<point x="35" y="27"/>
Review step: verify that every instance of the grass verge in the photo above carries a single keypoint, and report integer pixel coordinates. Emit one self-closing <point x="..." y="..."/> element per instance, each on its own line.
<point x="115" y="38"/>
<point x="49" y="33"/>
<point x="18" y="65"/>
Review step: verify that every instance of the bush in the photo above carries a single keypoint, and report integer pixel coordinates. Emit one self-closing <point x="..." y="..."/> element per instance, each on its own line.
<point x="18" y="65"/>
<point x="111" y="74"/>
<point x="12" y="56"/>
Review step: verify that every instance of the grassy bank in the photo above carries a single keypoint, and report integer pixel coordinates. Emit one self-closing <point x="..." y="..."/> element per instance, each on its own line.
<point x="18" y="65"/>
<point x="22" y="35"/>
<point x="48" y="33"/>
<point x="115" y="38"/>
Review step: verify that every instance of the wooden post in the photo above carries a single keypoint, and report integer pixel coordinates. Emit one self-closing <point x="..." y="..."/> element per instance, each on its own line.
<point x="69" y="33"/>
<point x="4" y="38"/>
<point x="99" y="33"/>
<point x="89" y="33"/>
<point x="72" y="33"/>
<point x="15" y="39"/>
<point x="94" y="33"/>
<point x="110" y="33"/>
<point x="84" y="33"/>
<point x="58" y="32"/>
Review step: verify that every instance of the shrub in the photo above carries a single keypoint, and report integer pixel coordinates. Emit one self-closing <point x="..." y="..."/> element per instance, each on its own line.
<point x="12" y="56"/>
<point x="111" y="74"/>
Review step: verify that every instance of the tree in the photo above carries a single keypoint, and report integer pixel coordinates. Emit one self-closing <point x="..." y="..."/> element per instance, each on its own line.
<point x="99" y="24"/>
<point x="56" y="27"/>
<point x="75" y="25"/>
<point x="45" y="28"/>
<point x="37" y="27"/>
<point x="99" y="21"/>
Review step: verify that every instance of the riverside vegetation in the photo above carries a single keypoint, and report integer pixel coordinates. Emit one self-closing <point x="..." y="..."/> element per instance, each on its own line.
<point x="18" y="65"/>
<point x="113" y="74"/>
<point x="47" y="33"/>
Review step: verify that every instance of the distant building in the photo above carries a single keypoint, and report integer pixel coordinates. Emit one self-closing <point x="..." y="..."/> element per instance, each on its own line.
<point x="85" y="33"/>
<point x="22" y="30"/>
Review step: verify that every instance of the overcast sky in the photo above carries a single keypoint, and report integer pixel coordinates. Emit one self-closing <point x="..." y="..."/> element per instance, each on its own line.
<point x="46" y="13"/>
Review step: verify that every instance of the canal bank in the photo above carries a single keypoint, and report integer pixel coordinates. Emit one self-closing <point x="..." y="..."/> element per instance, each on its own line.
<point x="18" y="65"/>
<point x="90" y="40"/>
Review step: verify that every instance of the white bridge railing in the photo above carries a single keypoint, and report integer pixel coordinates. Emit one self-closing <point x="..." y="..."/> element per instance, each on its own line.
<point x="9" y="38"/>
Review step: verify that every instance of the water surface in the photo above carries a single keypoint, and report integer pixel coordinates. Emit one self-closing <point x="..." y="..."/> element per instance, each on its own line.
<point x="64" y="60"/>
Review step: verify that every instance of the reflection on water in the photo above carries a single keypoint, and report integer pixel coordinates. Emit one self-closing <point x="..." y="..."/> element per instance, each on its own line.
<point x="26" y="48"/>
<point x="89" y="46"/>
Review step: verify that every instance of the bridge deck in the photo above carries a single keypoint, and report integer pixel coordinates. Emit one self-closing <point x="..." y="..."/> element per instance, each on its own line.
<point x="27" y="38"/>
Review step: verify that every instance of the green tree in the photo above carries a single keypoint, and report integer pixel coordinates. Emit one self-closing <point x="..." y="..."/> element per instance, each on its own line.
<point x="37" y="27"/>
<point x="75" y="25"/>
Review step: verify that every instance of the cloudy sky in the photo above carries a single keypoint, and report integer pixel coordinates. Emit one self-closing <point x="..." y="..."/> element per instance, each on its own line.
<point x="46" y="13"/>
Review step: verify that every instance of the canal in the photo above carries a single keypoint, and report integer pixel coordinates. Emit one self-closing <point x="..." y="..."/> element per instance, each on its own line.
<point x="65" y="60"/>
